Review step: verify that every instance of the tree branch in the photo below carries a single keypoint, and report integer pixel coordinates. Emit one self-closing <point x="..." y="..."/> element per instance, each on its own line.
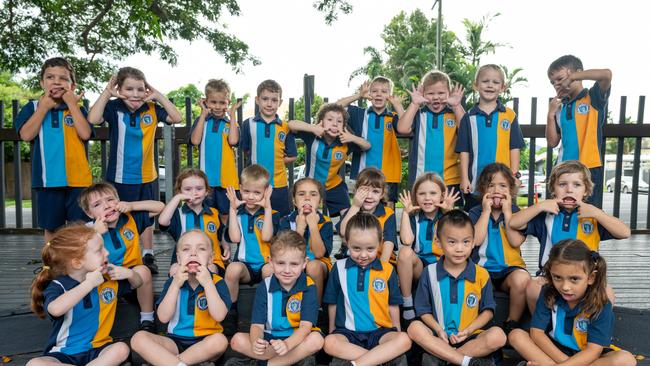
<point x="91" y="25"/>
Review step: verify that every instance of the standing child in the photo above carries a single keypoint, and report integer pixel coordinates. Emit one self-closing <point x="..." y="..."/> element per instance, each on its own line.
<point x="267" y="141"/>
<point x="454" y="300"/>
<point x="132" y="120"/>
<point x="488" y="133"/>
<point x="285" y="309"/>
<point x="216" y="133"/>
<point x="497" y="244"/>
<point x="315" y="227"/>
<point x="192" y="187"/>
<point x="575" y="298"/>
<point x="576" y="116"/>
<point x="192" y="302"/>
<point x="58" y="126"/>
<point x="327" y="146"/>
<point x="363" y="300"/>
<point x="80" y="301"/>
<point x="422" y="209"/>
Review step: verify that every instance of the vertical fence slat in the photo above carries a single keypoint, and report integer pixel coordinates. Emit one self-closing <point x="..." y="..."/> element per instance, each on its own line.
<point x="188" y="123"/>
<point x="619" y="161"/>
<point x="18" y="192"/>
<point x="532" y="151"/>
<point x="240" y="120"/>
<point x="3" y="218"/>
<point x="103" y="158"/>
<point x="636" y="173"/>
<point x="292" y="115"/>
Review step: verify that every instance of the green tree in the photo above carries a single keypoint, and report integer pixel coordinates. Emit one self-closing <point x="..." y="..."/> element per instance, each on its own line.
<point x="11" y="90"/>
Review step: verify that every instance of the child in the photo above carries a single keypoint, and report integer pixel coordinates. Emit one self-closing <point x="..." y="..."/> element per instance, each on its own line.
<point x="285" y="309"/>
<point x="216" y="132"/>
<point x="566" y="216"/>
<point x="120" y="225"/>
<point x="327" y="145"/>
<point x="80" y="301"/>
<point x="132" y="119"/>
<point x="422" y="209"/>
<point x="369" y="194"/>
<point x="576" y="116"/>
<point x="574" y="297"/>
<point x="58" y="126"/>
<point x="454" y="300"/>
<point x="434" y="128"/>
<point x="497" y="245"/>
<point x="267" y="141"/>
<point x="192" y="302"/>
<point x="312" y="225"/>
<point x="488" y="133"/>
<point x="363" y="298"/>
<point x="192" y="187"/>
<point x="379" y="126"/>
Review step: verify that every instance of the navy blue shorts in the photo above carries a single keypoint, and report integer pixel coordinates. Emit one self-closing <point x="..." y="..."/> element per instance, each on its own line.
<point x="136" y="192"/>
<point x="391" y="191"/>
<point x="80" y="359"/>
<point x="219" y="200"/>
<point x="596" y="197"/>
<point x="280" y="200"/>
<point x="571" y="352"/>
<point x="427" y="259"/>
<point x="256" y="275"/>
<point x="497" y="278"/>
<point x="183" y="343"/>
<point x="58" y="205"/>
<point x="337" y="199"/>
<point x="367" y="340"/>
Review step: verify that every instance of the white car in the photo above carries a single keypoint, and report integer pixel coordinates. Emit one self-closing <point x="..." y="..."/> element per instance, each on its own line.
<point x="626" y="184"/>
<point x="539" y="185"/>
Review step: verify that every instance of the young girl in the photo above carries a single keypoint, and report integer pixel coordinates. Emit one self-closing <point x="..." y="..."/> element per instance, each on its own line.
<point x="491" y="125"/>
<point x="369" y="195"/>
<point x="496" y="244"/>
<point x="132" y="119"/>
<point x="78" y="290"/>
<point x="575" y="296"/>
<point x="422" y="209"/>
<point x="315" y="227"/>
<point x="192" y="187"/>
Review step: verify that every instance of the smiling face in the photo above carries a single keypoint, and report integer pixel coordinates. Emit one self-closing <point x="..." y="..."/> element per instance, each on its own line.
<point x="489" y="84"/>
<point x="56" y="80"/>
<point x="498" y="189"/>
<point x="268" y="102"/>
<point x="427" y="195"/>
<point x="134" y="91"/>
<point x="457" y="242"/>
<point x="570" y="188"/>
<point x="571" y="280"/>
<point x="379" y="93"/>
<point x="194" y="187"/>
<point x="307" y="196"/>
<point x="333" y="123"/>
<point x="373" y="199"/>
<point x="194" y="249"/>
<point x="217" y="103"/>
<point x="363" y="246"/>
<point x="102" y="205"/>
<point x="288" y="265"/>
<point x="436" y="95"/>
<point x="95" y="256"/>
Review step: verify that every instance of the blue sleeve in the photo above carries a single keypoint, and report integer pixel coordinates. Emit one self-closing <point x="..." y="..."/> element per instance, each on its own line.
<point x="163" y="293"/>
<point x="395" y="121"/>
<point x="142" y="220"/>
<point x="516" y="137"/>
<point x="475" y="213"/>
<point x="464" y="141"/>
<point x="487" y="297"/>
<point x="536" y="227"/>
<point x="390" y="230"/>
<point x="224" y="294"/>
<point x="599" y="97"/>
<point x="260" y="305"/>
<point x="284" y="224"/>
<point x="356" y="119"/>
<point x="25" y="113"/>
<point x="276" y="222"/>
<point x="290" y="145"/>
<point x="333" y="287"/>
<point x="601" y="328"/>
<point x="306" y="137"/>
<point x="542" y="316"/>
<point x="109" y="111"/>
<point x="394" y="294"/>
<point x="123" y="288"/>
<point x="309" y="305"/>
<point x="51" y="293"/>
<point x="604" y="233"/>
<point x="245" y="136"/>
<point x="327" y="234"/>
<point x="422" y="301"/>
<point x="161" y="113"/>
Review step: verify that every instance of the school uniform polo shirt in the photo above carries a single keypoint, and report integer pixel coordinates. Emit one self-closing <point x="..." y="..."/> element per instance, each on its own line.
<point x="425" y="244"/>
<point x="123" y="241"/>
<point x="454" y="302"/>
<point x="88" y="324"/>
<point x="59" y="155"/>
<point x="362" y="295"/>
<point x="192" y="319"/>
<point x="380" y="129"/>
<point x="433" y="146"/>
<point x="267" y="144"/>
<point x="325" y="228"/>
<point x="573" y="328"/>
<point x="216" y="155"/>
<point x="580" y="122"/>
<point x="132" y="137"/>
<point x="549" y="229"/>
<point x="281" y="311"/>
<point x="324" y="161"/>
<point x="252" y="250"/>
<point x="185" y="219"/>
<point x="488" y="138"/>
<point x="386" y="217"/>
<point x="495" y="252"/>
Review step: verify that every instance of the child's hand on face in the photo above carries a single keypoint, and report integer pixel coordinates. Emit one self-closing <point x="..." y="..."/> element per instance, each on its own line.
<point x="319" y="130"/>
<point x="232" y="111"/>
<point x="172" y="269"/>
<point x="360" y="196"/>
<point x="456" y="95"/>
<point x="95" y="278"/>
<point x="279" y="346"/>
<point x="124" y="207"/>
<point x="205" y="111"/>
<point x="417" y="96"/>
<point x="506" y="203"/>
<point x="405" y="199"/>
<point x="554" y="105"/>
<point x="203" y="276"/>
<point x="152" y="94"/>
<point x="46" y="101"/>
<point x="586" y="210"/>
<point x="364" y="90"/>
<point x="266" y="198"/>
<point x="70" y="98"/>
<point x="112" y="88"/>
<point x="180" y="276"/>
<point x="312" y="218"/>
<point x="259" y="347"/>
<point x="100" y="226"/>
<point x="551" y="206"/>
<point x="183" y="197"/>
<point x="232" y="197"/>
<point x="486" y="203"/>
<point x="465" y="186"/>
<point x="449" y="199"/>
<point x="117" y="273"/>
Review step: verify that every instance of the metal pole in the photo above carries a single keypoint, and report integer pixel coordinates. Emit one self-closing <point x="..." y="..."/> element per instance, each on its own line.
<point x="438" y="37"/>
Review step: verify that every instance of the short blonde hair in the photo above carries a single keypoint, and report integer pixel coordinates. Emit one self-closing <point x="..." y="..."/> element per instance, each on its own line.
<point x="217" y="86"/>
<point x="436" y="76"/>
<point x="494" y="67"/>
<point x="287" y="239"/>
<point x="255" y="174"/>
<point x="569" y="167"/>
<point x="97" y="188"/>
<point x="383" y="80"/>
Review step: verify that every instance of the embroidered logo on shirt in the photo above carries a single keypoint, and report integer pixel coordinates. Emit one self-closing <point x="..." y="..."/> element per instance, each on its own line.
<point x="68" y="120"/>
<point x="147" y="119"/>
<point x="379" y="285"/>
<point x="583" y="108"/>
<point x="212" y="227"/>
<point x="202" y="302"/>
<point x="226" y="130"/>
<point x="450" y="122"/>
<point x="282" y="136"/>
<point x="587" y="227"/>
<point x="259" y="223"/>
<point x="582" y="324"/>
<point x="471" y="300"/>
<point x="108" y="294"/>
<point x="293" y="305"/>
<point x="129" y="234"/>
<point x="338" y="155"/>
<point x="389" y="126"/>
<point x="505" y="125"/>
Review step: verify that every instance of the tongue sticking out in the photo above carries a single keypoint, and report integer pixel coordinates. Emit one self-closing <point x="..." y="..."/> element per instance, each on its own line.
<point x="307" y="208"/>
<point x="496" y="202"/>
<point x="193" y="267"/>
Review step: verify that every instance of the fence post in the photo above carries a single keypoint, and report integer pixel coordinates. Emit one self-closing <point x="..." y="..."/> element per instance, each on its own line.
<point x="3" y="219"/>
<point x="636" y="173"/>
<point x="18" y="191"/>
<point x="532" y="151"/>
<point x="168" y="134"/>
<point x="619" y="161"/>
<point x="188" y="123"/>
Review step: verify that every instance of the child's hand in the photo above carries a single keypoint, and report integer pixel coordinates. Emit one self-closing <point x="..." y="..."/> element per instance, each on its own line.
<point x="360" y="196"/>
<point x="232" y="111"/>
<point x="449" y="199"/>
<point x="259" y="347"/>
<point x="416" y="95"/>
<point x="172" y="269"/>
<point x="318" y="130"/>
<point x="70" y="98"/>
<point x="152" y="93"/>
<point x="442" y="335"/>
<point x="486" y="203"/>
<point x="459" y="337"/>
<point x="405" y="199"/>
<point x="550" y="206"/>
<point x="204" y="107"/>
<point x="396" y="100"/>
<point x="465" y="186"/>
<point x="364" y="90"/>
<point x="183" y="197"/>
<point x="279" y="346"/>
<point x="456" y="95"/>
<point x="94" y="278"/>
<point x="100" y="226"/>
<point x="124" y="207"/>
<point x="506" y="203"/>
<point x="112" y="88"/>
<point x="346" y="136"/>
<point x="225" y="251"/>
<point x="266" y="198"/>
<point x="232" y="197"/>
<point x="46" y="101"/>
<point x="203" y="276"/>
<point x="587" y="210"/>
<point x="312" y="218"/>
<point x="180" y="276"/>
<point x="117" y="273"/>
<point x="554" y="105"/>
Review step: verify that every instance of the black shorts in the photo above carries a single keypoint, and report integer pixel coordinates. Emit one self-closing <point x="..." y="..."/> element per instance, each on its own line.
<point x="497" y="278"/>
<point x="367" y="340"/>
<point x="280" y="200"/>
<point x="570" y="351"/>
<point x="391" y="191"/>
<point x="58" y="205"/>
<point x="256" y="275"/>
<point x="219" y="200"/>
<point x="183" y="343"/>
<point x="337" y="199"/>
<point x="136" y="192"/>
<point x="80" y="359"/>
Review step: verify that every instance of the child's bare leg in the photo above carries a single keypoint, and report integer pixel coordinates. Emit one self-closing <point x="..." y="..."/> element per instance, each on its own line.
<point x="267" y="271"/>
<point x="241" y="342"/>
<point x="406" y="263"/>
<point x="485" y="343"/>
<point x="207" y="349"/>
<point x="515" y="284"/>
<point x="147" y="238"/>
<point x="532" y="292"/>
<point x="112" y="355"/>
<point x="391" y="345"/>
<point x="145" y="292"/>
<point x="317" y="270"/>
<point x="235" y="274"/>
<point x="44" y="361"/>
<point x="616" y="358"/>
<point x="155" y="349"/>
<point x="310" y="345"/>
<point x="422" y="335"/>
<point x="337" y="345"/>
<point x="520" y="340"/>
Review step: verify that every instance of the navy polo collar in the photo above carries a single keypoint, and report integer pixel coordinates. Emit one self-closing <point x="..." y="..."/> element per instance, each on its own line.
<point x="336" y="142"/>
<point x="258" y="118"/>
<point x="446" y="109"/>
<point x="380" y="210"/>
<point x="205" y="209"/>
<point x="199" y="287"/>
<point x="580" y="95"/>
<point x="143" y="107"/>
<point x="241" y="210"/>
<point x="60" y="107"/>
<point x="423" y="217"/>
<point x="299" y="286"/>
<point x="376" y="264"/>
<point x="476" y="110"/>
<point x="469" y="273"/>
<point x="385" y="112"/>
<point x="121" y="221"/>
<point x="217" y="119"/>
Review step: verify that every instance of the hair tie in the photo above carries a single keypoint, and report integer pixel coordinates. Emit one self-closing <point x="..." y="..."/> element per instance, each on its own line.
<point x="595" y="256"/>
<point x="48" y="243"/>
<point x="41" y="269"/>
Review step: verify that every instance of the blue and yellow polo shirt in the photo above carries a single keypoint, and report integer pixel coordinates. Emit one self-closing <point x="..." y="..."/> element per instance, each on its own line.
<point x="580" y="123"/>
<point x="433" y="146"/>
<point x="185" y="219"/>
<point x="216" y="155"/>
<point x="454" y="302"/>
<point x="252" y="250"/>
<point x="192" y="320"/>
<point x="488" y="138"/>
<point x="573" y="328"/>
<point x="549" y="229"/>
<point x="268" y="144"/>
<point x="380" y="129"/>
<point x="58" y="154"/>
<point x="325" y="228"/>
<point x="425" y="244"/>
<point x="495" y="252"/>
<point x="123" y="241"/>
<point x="89" y="323"/>
<point x="281" y="311"/>
<point x="386" y="217"/>
<point x="362" y="295"/>
<point x="132" y="136"/>
<point x="324" y="161"/>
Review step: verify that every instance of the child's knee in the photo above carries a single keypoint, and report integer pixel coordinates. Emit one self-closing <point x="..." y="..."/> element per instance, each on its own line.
<point x="331" y="343"/>
<point x="402" y="341"/>
<point x="405" y="255"/>
<point x="315" y="269"/>
<point x="516" y="336"/>
<point x="121" y="350"/>
<point x="138" y="339"/>
<point x="520" y="281"/>
<point x="496" y="338"/>
<point x="239" y="341"/>
<point x="217" y="343"/>
<point x="234" y="272"/>
<point x="623" y="358"/>
<point x="144" y="273"/>
<point x="314" y="342"/>
<point x="416" y="331"/>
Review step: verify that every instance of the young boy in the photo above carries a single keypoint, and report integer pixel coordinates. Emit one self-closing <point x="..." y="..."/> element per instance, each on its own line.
<point x="379" y="126"/>
<point x="193" y="302"/>
<point x="285" y="309"/>
<point x="327" y="145"/>
<point x="120" y="225"/>
<point x="59" y="129"/>
<point x="454" y="300"/>
<point x="216" y="133"/>
<point x="364" y="298"/>
<point x="576" y="116"/>
<point x="267" y="141"/>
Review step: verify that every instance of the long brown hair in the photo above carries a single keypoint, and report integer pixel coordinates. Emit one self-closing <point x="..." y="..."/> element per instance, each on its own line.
<point x="489" y="172"/>
<point x="190" y="172"/>
<point x="67" y="244"/>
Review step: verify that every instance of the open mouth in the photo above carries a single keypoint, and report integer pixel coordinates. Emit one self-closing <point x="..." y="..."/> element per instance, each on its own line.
<point x="307" y="208"/>
<point x="192" y="266"/>
<point x="569" y="201"/>
<point x="496" y="199"/>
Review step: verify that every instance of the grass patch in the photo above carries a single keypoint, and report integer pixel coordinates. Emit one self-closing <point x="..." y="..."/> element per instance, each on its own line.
<point x="11" y="203"/>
